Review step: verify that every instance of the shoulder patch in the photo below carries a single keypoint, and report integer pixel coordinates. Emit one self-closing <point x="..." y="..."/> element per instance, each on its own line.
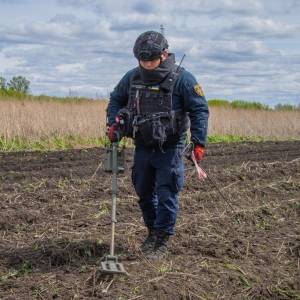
<point x="198" y="90"/>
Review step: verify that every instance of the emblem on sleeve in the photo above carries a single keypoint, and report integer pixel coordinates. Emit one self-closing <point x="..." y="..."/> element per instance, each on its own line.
<point x="198" y="90"/>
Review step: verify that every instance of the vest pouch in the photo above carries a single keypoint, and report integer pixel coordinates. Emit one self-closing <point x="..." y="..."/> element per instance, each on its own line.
<point x="152" y="132"/>
<point x="126" y="116"/>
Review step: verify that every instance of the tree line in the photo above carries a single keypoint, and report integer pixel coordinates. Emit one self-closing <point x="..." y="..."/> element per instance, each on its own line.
<point x="17" y="83"/>
<point x="241" y="104"/>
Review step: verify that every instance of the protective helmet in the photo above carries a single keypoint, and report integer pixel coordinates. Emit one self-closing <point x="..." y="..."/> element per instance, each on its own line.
<point x="150" y="45"/>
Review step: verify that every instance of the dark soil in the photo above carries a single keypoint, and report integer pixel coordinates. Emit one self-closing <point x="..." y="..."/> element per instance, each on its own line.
<point x="55" y="227"/>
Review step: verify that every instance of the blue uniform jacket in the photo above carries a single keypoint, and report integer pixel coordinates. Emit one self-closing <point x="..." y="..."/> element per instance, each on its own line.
<point x="187" y="94"/>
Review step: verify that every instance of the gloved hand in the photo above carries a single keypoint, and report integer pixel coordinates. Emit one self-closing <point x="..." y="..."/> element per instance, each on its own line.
<point x="113" y="133"/>
<point x="198" y="152"/>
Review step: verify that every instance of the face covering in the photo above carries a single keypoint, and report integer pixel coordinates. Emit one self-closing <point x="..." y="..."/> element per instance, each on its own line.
<point x="151" y="77"/>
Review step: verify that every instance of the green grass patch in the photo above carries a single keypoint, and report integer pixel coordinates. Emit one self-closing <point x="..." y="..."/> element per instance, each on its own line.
<point x="218" y="103"/>
<point x="237" y="104"/>
<point x="11" y="95"/>
<point x="231" y="138"/>
<point x="249" y="105"/>
<point x="286" y="107"/>
<point x="52" y="143"/>
<point x="241" y="104"/>
<point x="49" y="143"/>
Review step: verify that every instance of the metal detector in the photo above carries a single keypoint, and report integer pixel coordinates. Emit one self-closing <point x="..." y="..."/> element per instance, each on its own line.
<point x="114" y="163"/>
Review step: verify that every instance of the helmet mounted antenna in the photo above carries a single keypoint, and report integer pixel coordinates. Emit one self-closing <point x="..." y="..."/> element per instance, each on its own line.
<point x="162" y="30"/>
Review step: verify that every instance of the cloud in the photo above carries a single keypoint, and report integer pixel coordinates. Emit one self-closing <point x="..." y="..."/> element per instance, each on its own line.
<point x="75" y="3"/>
<point x="260" y="28"/>
<point x="62" y="30"/>
<point x="13" y="2"/>
<point x="64" y="18"/>
<point x="245" y="49"/>
<point x="216" y="8"/>
<point x="137" y="21"/>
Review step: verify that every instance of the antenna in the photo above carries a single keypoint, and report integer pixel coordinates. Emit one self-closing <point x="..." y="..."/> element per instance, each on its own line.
<point x="162" y="30"/>
<point x="180" y="63"/>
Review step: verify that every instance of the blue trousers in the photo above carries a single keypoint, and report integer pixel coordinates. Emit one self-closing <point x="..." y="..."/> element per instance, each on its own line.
<point x="157" y="178"/>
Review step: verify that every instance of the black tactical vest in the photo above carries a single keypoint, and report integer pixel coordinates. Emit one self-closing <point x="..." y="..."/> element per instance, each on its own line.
<point x="153" y="119"/>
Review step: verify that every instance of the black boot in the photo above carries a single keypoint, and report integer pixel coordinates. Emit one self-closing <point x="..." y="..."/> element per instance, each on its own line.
<point x="149" y="243"/>
<point x="160" y="249"/>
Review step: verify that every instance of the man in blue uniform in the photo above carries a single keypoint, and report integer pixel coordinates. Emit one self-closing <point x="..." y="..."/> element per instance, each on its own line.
<point x="155" y="103"/>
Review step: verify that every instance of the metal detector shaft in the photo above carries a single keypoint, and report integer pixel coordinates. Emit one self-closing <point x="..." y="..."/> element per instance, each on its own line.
<point x="114" y="193"/>
<point x="111" y="264"/>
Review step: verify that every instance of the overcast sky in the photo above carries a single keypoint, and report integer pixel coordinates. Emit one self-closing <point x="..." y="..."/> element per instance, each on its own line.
<point x="237" y="49"/>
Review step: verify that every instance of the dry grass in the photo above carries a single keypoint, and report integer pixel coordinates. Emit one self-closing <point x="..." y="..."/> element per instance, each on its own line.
<point x="39" y="121"/>
<point x="33" y="120"/>
<point x="266" y="124"/>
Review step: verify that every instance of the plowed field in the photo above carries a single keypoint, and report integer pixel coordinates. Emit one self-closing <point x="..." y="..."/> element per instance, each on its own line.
<point x="55" y="227"/>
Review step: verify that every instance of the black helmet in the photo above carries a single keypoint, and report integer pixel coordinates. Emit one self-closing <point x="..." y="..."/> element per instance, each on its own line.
<point x="150" y="45"/>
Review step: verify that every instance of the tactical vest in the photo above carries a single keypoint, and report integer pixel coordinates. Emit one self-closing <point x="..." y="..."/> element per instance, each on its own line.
<point x="149" y="114"/>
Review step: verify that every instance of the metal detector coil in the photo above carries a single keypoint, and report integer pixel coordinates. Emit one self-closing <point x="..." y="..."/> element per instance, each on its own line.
<point x="111" y="265"/>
